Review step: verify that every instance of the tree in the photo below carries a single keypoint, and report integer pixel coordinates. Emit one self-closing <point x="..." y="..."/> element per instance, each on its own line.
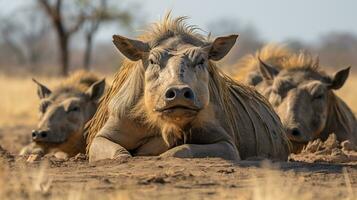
<point x="56" y="12"/>
<point x="9" y="37"/>
<point x="68" y="17"/>
<point x="25" y="40"/>
<point x="97" y="13"/>
<point x="338" y="49"/>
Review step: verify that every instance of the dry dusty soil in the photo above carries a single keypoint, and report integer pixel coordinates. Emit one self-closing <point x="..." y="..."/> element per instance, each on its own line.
<point x="155" y="178"/>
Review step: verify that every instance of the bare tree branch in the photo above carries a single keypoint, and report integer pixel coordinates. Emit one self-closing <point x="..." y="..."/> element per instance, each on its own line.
<point x="55" y="13"/>
<point x="80" y="21"/>
<point x="45" y="4"/>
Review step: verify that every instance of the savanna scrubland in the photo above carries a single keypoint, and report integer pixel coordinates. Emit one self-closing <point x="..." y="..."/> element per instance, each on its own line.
<point x="151" y="177"/>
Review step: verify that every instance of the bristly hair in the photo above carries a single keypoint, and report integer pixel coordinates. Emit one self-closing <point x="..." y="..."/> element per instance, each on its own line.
<point x="279" y="56"/>
<point x="303" y="60"/>
<point x="78" y="83"/>
<point x="170" y="27"/>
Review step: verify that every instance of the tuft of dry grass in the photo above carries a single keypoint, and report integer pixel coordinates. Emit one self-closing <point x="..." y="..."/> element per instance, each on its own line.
<point x="271" y="183"/>
<point x="275" y="185"/>
<point x="24" y="183"/>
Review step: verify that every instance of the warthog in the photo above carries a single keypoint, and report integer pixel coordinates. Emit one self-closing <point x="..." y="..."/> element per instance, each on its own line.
<point x="302" y="94"/>
<point x="64" y="112"/>
<point x="169" y="98"/>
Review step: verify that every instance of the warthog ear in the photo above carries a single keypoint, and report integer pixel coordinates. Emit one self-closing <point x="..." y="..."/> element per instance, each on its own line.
<point x="132" y="49"/>
<point x="42" y="91"/>
<point x="221" y="46"/>
<point x="339" y="78"/>
<point x="268" y="72"/>
<point x="96" y="90"/>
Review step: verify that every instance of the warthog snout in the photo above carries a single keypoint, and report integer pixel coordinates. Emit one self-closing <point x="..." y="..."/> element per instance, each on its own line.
<point x="179" y="101"/>
<point x="39" y="135"/>
<point x="179" y="93"/>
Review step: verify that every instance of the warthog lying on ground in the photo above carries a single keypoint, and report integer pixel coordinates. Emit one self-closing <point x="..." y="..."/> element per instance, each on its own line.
<point x="169" y="98"/>
<point x="301" y="94"/>
<point x="64" y="112"/>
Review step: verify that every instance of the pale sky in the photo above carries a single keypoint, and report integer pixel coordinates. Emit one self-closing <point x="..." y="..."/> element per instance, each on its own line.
<point x="275" y="20"/>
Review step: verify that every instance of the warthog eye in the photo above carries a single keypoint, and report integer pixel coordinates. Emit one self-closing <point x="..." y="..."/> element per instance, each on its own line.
<point x="318" y="97"/>
<point x="74" y="109"/>
<point x="152" y="62"/>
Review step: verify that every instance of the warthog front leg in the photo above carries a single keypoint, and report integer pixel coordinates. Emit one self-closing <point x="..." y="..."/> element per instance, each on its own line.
<point x="107" y="143"/>
<point x="32" y="149"/>
<point x="222" y="149"/>
<point x="103" y="148"/>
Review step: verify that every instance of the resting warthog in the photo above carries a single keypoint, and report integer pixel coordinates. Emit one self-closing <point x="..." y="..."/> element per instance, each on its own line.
<point x="170" y="99"/>
<point x="64" y="112"/>
<point x="302" y="95"/>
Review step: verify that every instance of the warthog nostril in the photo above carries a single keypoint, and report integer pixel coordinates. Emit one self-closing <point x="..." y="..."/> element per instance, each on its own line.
<point x="43" y="134"/>
<point x="188" y="93"/>
<point x="39" y="135"/>
<point x="34" y="133"/>
<point x="170" y="94"/>
<point x="179" y="93"/>
<point x="295" y="132"/>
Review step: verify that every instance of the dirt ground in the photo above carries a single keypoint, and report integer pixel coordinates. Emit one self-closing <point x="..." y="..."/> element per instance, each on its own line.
<point x="155" y="178"/>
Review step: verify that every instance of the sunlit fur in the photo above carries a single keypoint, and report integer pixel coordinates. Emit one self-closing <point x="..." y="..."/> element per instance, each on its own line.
<point x="276" y="55"/>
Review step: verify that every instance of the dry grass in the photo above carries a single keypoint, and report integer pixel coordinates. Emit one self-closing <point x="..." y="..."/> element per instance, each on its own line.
<point x="269" y="183"/>
<point x="19" y="102"/>
<point x="275" y="185"/>
<point x="25" y="183"/>
<point x="29" y="182"/>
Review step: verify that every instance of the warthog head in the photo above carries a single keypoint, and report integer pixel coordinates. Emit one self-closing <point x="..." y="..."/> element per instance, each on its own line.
<point x="301" y="97"/>
<point x="176" y="77"/>
<point x="65" y="111"/>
